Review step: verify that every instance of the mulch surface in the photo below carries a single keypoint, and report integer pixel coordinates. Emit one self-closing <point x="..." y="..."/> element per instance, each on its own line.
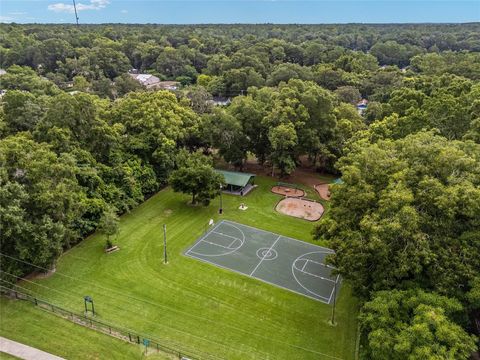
<point x="300" y="208"/>
<point x="288" y="191"/>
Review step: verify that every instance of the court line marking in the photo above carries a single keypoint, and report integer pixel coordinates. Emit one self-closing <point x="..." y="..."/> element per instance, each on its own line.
<point x="264" y="256"/>
<point x="308" y="272"/>
<point x="233" y="242"/>
<point x="304" y="265"/>
<point x="266" y="249"/>
<point x="319" y="263"/>
<point x="330" y="251"/>
<point x="217" y="232"/>
<point x="222" y="246"/>
<point x="299" y="283"/>
<point x="259" y="279"/>
<point x="314" y="275"/>
<point x="202" y="239"/>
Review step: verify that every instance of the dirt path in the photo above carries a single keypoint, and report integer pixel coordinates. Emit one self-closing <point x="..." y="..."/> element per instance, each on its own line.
<point x="24" y="351"/>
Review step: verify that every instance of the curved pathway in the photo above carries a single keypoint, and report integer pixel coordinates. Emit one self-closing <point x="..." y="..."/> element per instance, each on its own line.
<point x="24" y="351"/>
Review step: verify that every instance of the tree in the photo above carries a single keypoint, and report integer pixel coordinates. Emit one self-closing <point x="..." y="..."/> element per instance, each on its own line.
<point x="154" y="123"/>
<point x="406" y="214"/>
<point x="125" y="84"/>
<point x="250" y="113"/>
<point x="283" y="139"/>
<point x="348" y="94"/>
<point x="226" y="134"/>
<point x="109" y="224"/>
<point x="197" y="178"/>
<point x="40" y="201"/>
<point x="285" y="72"/>
<point x="413" y="324"/>
<point x="200" y="99"/>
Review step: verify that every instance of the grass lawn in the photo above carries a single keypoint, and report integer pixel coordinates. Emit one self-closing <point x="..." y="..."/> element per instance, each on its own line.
<point x="199" y="307"/>
<point x="4" y="356"/>
<point x="22" y="322"/>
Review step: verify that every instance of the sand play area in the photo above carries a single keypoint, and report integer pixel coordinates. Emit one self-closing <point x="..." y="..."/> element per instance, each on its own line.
<point x="300" y="208"/>
<point x="323" y="191"/>
<point x="288" y="191"/>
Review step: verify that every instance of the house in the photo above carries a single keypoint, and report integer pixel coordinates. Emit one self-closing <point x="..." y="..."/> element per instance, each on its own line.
<point x="219" y="101"/>
<point x="168" y="85"/>
<point x="152" y="82"/>
<point x="238" y="183"/>
<point x="2" y="72"/>
<point x="362" y="106"/>
<point x="147" y="80"/>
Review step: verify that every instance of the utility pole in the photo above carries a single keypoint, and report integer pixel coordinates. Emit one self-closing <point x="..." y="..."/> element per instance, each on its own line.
<point x="75" y="8"/>
<point x="334" y="303"/>
<point x="220" y="210"/>
<point x="164" y="243"/>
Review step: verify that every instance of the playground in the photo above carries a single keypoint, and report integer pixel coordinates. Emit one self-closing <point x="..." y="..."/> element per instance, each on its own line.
<point x="300" y="208"/>
<point x="288" y="190"/>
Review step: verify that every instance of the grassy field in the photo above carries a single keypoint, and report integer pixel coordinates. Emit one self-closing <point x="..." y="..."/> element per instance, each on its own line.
<point x="187" y="303"/>
<point x="22" y="322"/>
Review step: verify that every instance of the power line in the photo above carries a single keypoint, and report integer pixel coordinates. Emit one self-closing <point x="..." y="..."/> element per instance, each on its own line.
<point x="34" y="294"/>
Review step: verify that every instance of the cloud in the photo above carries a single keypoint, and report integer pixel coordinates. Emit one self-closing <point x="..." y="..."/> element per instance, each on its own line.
<point x="5" y="19"/>
<point x="124" y="11"/>
<point x="94" y="5"/>
<point x="17" y="13"/>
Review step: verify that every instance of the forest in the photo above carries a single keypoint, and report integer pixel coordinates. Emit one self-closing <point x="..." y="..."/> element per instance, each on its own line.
<point x="82" y="142"/>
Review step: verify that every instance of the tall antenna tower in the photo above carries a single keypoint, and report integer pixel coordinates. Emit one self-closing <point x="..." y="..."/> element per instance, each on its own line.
<point x="75" y="8"/>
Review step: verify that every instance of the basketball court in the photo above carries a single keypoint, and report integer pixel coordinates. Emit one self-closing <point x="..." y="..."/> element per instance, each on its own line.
<point x="290" y="264"/>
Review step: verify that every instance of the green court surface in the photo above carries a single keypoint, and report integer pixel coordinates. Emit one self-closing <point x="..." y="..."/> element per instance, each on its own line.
<point x="275" y="259"/>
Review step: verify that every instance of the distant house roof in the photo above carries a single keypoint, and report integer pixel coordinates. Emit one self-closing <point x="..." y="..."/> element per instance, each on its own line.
<point x="168" y="85"/>
<point x="147" y="80"/>
<point x="219" y="101"/>
<point x="235" y="178"/>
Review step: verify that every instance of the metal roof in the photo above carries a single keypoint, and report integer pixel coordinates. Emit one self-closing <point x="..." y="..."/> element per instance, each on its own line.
<point x="235" y="178"/>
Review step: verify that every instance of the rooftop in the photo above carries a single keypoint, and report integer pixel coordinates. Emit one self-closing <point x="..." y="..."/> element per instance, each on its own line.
<point x="235" y="178"/>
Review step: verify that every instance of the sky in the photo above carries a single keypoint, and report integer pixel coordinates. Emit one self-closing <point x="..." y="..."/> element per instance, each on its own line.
<point x="240" y="11"/>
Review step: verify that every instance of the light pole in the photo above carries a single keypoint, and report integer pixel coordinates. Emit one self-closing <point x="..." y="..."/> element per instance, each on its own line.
<point x="164" y="243"/>
<point x="220" y="210"/>
<point x="334" y="302"/>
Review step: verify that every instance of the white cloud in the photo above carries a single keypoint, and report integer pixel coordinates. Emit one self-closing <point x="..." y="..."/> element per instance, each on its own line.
<point x="5" y="19"/>
<point x="94" y="5"/>
<point x="17" y="13"/>
<point x="124" y="11"/>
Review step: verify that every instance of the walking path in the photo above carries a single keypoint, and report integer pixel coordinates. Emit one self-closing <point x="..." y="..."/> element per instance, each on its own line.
<point x="24" y="351"/>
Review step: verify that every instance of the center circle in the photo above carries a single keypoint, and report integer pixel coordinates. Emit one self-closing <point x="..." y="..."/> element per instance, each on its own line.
<point x="267" y="254"/>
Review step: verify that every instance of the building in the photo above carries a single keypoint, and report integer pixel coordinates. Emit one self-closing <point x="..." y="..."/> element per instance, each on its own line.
<point x="147" y="80"/>
<point x="2" y="72"/>
<point x="238" y="183"/>
<point x="219" y="101"/>
<point x="168" y="85"/>
<point x="362" y="106"/>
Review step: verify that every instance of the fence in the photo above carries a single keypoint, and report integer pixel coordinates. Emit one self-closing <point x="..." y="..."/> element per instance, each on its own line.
<point x="109" y="329"/>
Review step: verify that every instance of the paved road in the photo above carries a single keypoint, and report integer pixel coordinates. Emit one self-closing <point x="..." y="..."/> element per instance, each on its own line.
<point x="24" y="351"/>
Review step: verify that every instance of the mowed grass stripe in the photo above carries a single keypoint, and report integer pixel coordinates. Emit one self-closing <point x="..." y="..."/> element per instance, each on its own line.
<point x="209" y="308"/>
